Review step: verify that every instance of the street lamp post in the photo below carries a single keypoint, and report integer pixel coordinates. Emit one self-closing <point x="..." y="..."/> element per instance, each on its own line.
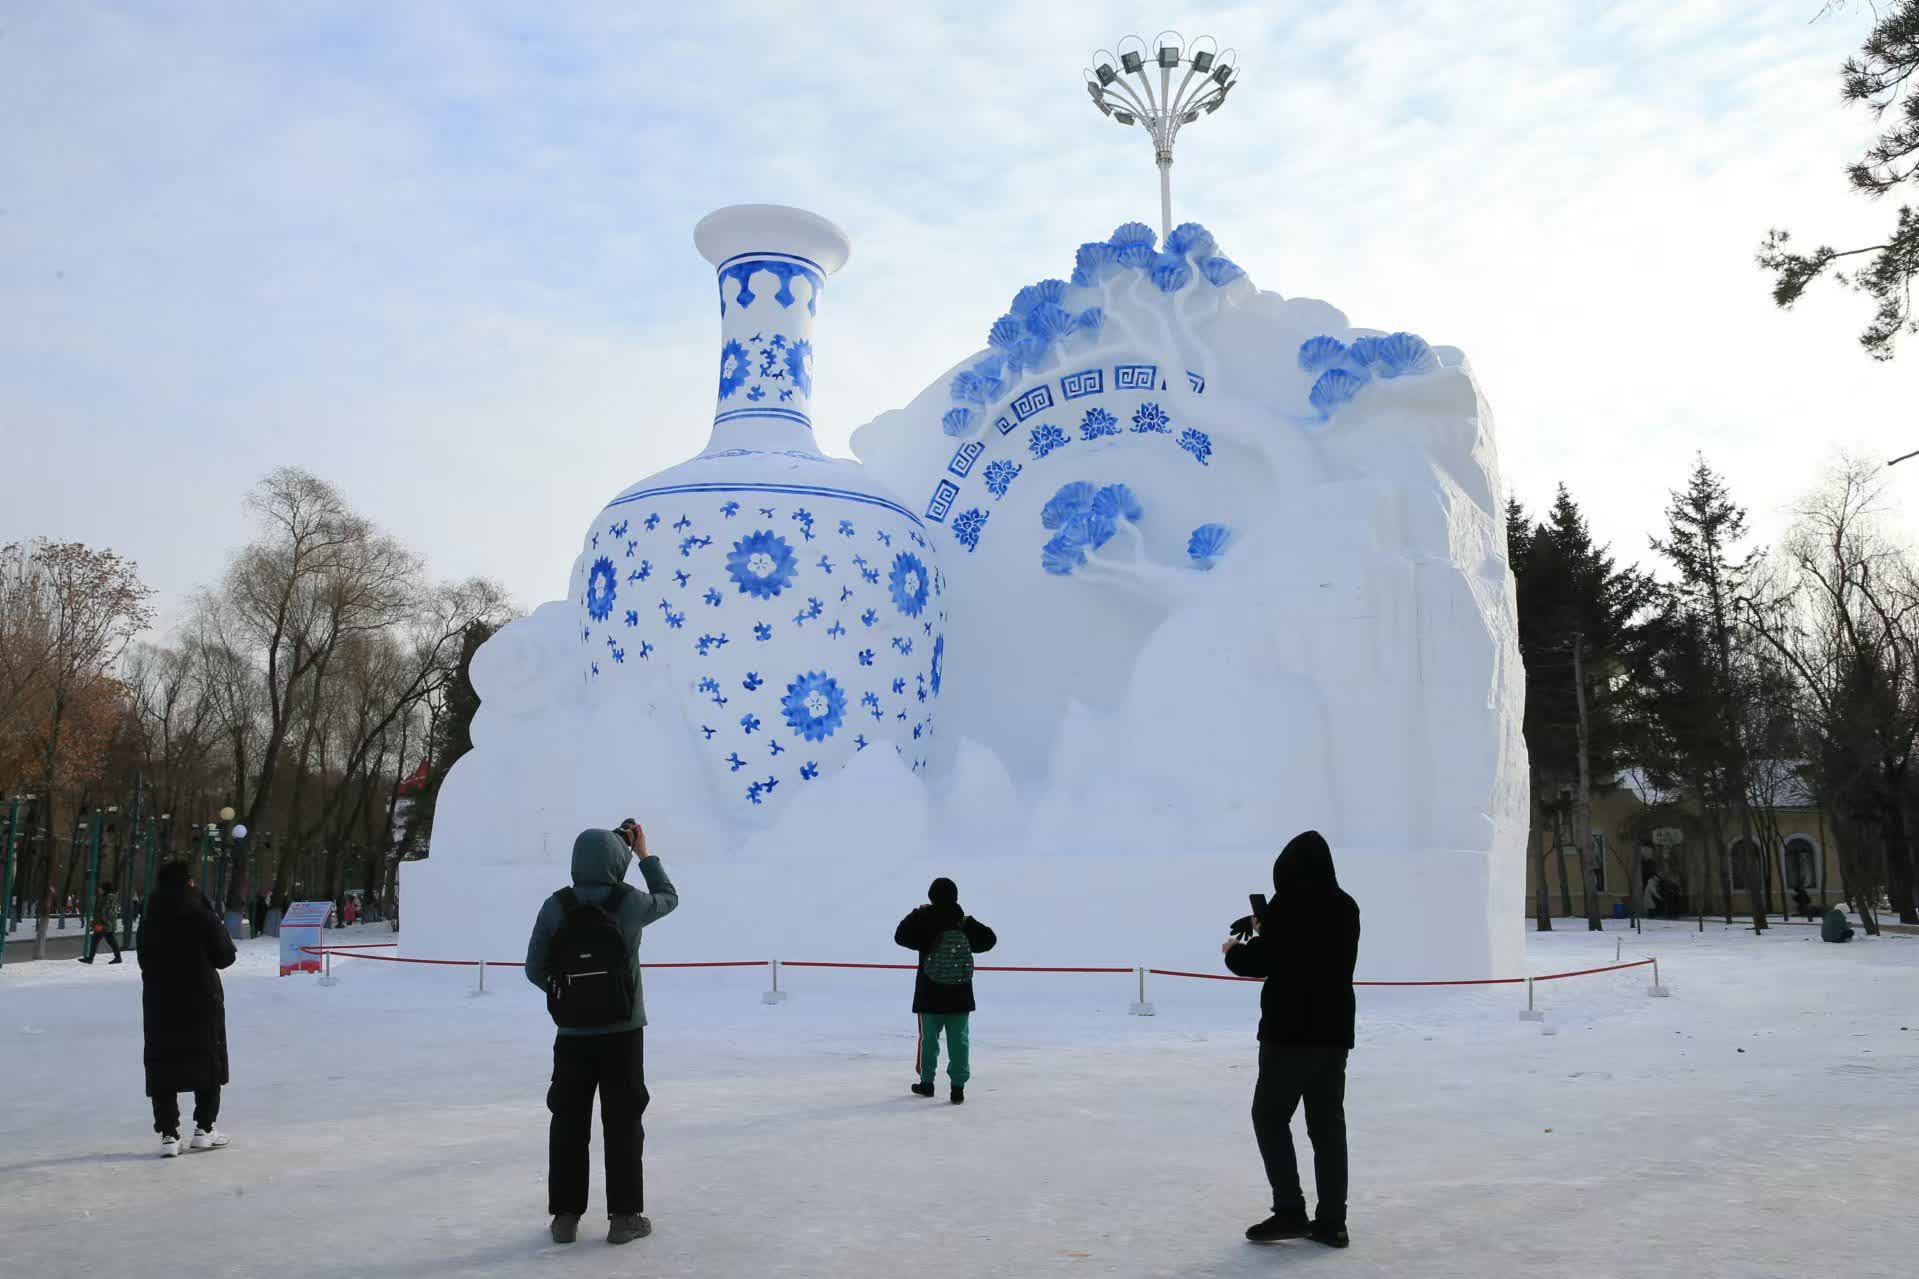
<point x="1140" y="90"/>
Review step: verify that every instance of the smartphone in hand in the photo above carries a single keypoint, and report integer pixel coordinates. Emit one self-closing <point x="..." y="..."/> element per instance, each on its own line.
<point x="1259" y="904"/>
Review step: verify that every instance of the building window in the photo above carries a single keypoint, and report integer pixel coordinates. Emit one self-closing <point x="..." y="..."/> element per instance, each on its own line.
<point x="1802" y="864"/>
<point x="1738" y="855"/>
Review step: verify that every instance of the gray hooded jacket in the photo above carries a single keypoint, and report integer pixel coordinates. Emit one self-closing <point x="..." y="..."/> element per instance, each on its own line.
<point x="600" y="859"/>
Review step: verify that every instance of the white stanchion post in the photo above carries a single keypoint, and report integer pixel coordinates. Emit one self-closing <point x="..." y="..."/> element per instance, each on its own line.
<point x="1142" y="1008"/>
<point x="775" y="995"/>
<point x="1618" y="949"/>
<point x="326" y="966"/>
<point x="1530" y="1013"/>
<point x="1658" y="991"/>
<point x="482" y="989"/>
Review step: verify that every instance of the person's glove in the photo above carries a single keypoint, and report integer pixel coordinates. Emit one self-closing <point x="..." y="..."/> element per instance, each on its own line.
<point x="1242" y="928"/>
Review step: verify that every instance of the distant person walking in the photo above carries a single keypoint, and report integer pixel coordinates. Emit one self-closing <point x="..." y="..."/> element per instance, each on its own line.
<point x="101" y="927"/>
<point x="1305" y="946"/>
<point x="946" y="938"/>
<point x="585" y="954"/>
<point x="1653" y="890"/>
<point x="182" y="946"/>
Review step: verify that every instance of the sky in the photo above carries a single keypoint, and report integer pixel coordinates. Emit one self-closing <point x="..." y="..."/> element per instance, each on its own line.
<point x="441" y="253"/>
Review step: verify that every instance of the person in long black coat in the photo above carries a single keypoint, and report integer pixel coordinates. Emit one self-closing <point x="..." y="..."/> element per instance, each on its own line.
<point x="1305" y="946"/>
<point x="182" y="947"/>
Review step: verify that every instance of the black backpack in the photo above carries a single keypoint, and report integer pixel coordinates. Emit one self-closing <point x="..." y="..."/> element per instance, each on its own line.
<point x="589" y="969"/>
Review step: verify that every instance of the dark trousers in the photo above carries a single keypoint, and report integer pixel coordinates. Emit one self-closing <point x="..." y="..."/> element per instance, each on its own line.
<point x="615" y="1066"/>
<point x="104" y="935"/>
<point x="1288" y="1075"/>
<point x="166" y="1111"/>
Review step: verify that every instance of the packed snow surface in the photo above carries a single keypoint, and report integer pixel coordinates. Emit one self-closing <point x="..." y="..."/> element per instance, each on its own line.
<point x="1756" y="1123"/>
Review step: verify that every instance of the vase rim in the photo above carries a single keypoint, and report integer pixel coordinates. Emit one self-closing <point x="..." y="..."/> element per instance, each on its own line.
<point x="741" y="230"/>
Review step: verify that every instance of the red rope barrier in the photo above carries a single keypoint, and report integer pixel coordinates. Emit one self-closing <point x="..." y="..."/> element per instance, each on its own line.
<point x="1477" y="981"/>
<point x="346" y="951"/>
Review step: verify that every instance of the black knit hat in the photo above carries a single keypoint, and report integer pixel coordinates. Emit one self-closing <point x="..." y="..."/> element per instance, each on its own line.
<point x="943" y="891"/>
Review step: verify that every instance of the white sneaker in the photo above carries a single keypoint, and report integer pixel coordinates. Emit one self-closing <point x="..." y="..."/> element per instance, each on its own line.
<point x="169" y="1146"/>
<point x="208" y="1138"/>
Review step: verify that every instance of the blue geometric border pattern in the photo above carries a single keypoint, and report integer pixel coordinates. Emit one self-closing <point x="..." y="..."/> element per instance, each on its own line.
<point x="783" y="415"/>
<point x="1005" y="424"/>
<point x="967" y="454"/>
<point x="1033" y="401"/>
<point x="942" y="501"/>
<point x="1196" y="381"/>
<point x="1136" y="377"/>
<point x="785" y="266"/>
<point x="1084" y="382"/>
<point x="801" y="490"/>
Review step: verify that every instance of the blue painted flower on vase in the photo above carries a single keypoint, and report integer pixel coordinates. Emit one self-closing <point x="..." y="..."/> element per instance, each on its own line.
<point x="1198" y="443"/>
<point x="1151" y="419"/>
<point x="1207" y="544"/>
<point x="814" y="705"/>
<point x="908" y="583"/>
<point x="762" y="564"/>
<point x="1000" y="475"/>
<point x="955" y="420"/>
<point x="600" y="589"/>
<point x="1096" y="423"/>
<point x="939" y="663"/>
<point x="735" y="367"/>
<point x="799" y="365"/>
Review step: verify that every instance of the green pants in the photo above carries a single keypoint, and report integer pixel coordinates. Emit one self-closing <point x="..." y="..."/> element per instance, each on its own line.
<point x="960" y="1067"/>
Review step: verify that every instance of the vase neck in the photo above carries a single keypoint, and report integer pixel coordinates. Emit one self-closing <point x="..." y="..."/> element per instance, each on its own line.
<point x="768" y="303"/>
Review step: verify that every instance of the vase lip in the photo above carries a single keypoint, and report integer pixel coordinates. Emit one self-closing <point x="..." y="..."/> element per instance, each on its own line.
<point x="743" y="230"/>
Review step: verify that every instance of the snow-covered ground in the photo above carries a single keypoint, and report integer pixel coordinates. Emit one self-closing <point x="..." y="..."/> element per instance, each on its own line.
<point x="1760" y="1122"/>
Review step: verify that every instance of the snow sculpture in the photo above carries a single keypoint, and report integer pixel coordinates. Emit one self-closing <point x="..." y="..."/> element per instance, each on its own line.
<point x="1185" y="566"/>
<point x="794" y="605"/>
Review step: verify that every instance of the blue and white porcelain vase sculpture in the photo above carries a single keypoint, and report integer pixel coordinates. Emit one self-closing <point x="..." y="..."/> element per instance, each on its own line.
<point x="795" y="605"/>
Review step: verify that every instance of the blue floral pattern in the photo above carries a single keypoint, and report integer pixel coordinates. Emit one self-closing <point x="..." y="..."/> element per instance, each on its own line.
<point x="600" y="589"/>
<point x="735" y="367"/>
<point x="1207" y="544"/>
<point x="1198" y="443"/>
<point x="1000" y="475"/>
<point x="814" y="705"/>
<point x="967" y="526"/>
<point x="909" y="583"/>
<point x="939" y="663"/>
<point x="762" y="564"/>
<point x="799" y="365"/>
<point x="1097" y="422"/>
<point x="1045" y="439"/>
<point x="1151" y="419"/>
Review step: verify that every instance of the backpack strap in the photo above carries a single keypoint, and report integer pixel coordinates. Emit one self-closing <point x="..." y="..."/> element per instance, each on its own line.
<point x="569" y="901"/>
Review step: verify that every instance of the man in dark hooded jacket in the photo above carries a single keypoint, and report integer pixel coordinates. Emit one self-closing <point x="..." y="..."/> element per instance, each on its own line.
<point x="609" y="1059"/>
<point x="181" y="947"/>
<point x="946" y="938"/>
<point x="1305" y="947"/>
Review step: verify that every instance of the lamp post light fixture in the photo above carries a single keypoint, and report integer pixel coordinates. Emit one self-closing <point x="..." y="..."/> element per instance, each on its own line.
<point x="1140" y="90"/>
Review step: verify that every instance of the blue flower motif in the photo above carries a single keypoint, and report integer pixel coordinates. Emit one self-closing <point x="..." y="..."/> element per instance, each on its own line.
<point x="1091" y="320"/>
<point x="600" y="589"/>
<point x="1317" y="354"/>
<point x="799" y="365"/>
<point x="939" y="663"/>
<point x="729" y="509"/>
<point x="1085" y="519"/>
<point x="967" y="526"/>
<point x="752" y="681"/>
<point x="908" y="583"/>
<point x="1033" y="296"/>
<point x="1006" y="333"/>
<point x="1133" y="244"/>
<point x="956" y="419"/>
<point x="1190" y="239"/>
<point x="1093" y="262"/>
<point x="1096" y="423"/>
<point x="814" y="705"/>
<point x="1207" y="544"/>
<point x="762" y="632"/>
<point x="1403" y="353"/>
<point x="1334" y="388"/>
<point x="1116" y="501"/>
<point x="1072" y="499"/>
<point x="1220" y="272"/>
<point x="1045" y="438"/>
<point x="1049" y="322"/>
<point x="1362" y="354"/>
<point x="1151" y="420"/>
<point x="809" y="770"/>
<point x="1170" y="273"/>
<point x="1198" y="443"/>
<point x="735" y="368"/>
<point x="750" y="723"/>
<point x="762" y="563"/>
<point x="1000" y="476"/>
<point x="1060" y="558"/>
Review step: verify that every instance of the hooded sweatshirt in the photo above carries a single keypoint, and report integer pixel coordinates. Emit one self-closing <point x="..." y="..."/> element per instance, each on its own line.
<point x="920" y="931"/>
<point x="1307" y="944"/>
<point x="600" y="861"/>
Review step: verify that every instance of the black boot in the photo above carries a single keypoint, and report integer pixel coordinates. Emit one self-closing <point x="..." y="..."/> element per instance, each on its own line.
<point x="959" y="1095"/>
<point x="1281" y="1225"/>
<point x="1330" y="1233"/>
<point x="922" y="1090"/>
<point x="627" y="1227"/>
